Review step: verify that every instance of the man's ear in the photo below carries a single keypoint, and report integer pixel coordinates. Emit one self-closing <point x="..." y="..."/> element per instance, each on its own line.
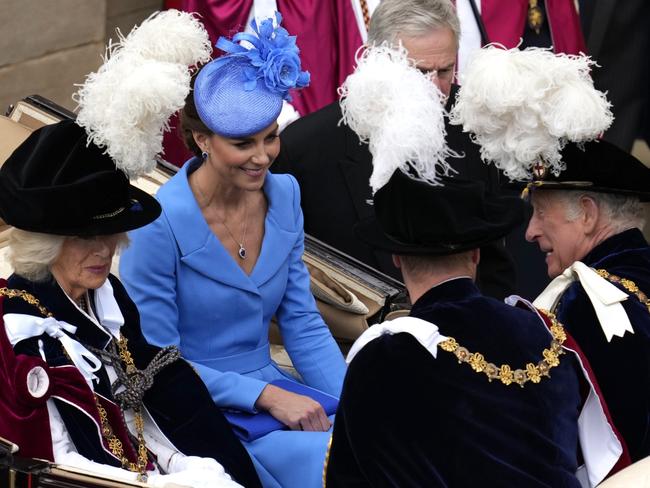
<point x="476" y="256"/>
<point x="397" y="262"/>
<point x="590" y="214"/>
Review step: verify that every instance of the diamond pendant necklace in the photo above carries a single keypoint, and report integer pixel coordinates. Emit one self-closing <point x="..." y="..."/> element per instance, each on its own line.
<point x="242" y="249"/>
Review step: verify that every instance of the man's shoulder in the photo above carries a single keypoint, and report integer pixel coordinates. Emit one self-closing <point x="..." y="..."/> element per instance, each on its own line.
<point x="499" y="314"/>
<point x="324" y="120"/>
<point x="491" y="327"/>
<point x="395" y="363"/>
<point x="391" y="352"/>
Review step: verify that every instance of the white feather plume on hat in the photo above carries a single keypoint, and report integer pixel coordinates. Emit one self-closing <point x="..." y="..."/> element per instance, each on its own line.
<point x="126" y="104"/>
<point x="172" y="36"/>
<point x="523" y="106"/>
<point x="398" y="110"/>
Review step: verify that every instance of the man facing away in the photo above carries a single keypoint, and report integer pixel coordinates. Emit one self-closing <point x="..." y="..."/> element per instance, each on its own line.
<point x="588" y="221"/>
<point x="333" y="167"/>
<point x="467" y="390"/>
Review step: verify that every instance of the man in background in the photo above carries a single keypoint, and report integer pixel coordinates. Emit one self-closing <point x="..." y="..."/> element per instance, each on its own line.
<point x="333" y="168"/>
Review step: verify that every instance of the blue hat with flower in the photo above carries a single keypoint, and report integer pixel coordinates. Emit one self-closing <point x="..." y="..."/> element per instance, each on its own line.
<point x="241" y="93"/>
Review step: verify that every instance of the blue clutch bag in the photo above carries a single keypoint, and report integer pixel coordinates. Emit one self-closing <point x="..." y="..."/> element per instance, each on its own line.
<point x="251" y="426"/>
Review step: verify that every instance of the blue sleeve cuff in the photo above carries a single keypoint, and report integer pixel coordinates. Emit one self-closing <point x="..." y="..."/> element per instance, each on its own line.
<point x="231" y="390"/>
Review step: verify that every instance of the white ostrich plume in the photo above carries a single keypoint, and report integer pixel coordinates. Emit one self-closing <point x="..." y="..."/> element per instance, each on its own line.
<point x="172" y="36"/>
<point x="125" y="106"/>
<point x="523" y="106"/>
<point x="398" y="110"/>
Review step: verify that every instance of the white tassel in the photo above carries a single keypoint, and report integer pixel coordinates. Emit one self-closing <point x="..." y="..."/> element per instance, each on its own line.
<point x="126" y="104"/>
<point x="399" y="111"/>
<point x="523" y="106"/>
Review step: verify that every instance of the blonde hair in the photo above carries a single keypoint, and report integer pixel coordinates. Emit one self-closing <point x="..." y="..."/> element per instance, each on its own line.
<point x="31" y="253"/>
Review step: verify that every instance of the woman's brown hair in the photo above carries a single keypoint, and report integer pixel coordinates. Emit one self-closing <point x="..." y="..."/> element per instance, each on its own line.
<point x="190" y="121"/>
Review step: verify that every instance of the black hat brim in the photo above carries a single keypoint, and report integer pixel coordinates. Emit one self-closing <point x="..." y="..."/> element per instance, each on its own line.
<point x="56" y="182"/>
<point x="370" y="232"/>
<point x="143" y="210"/>
<point x="595" y="166"/>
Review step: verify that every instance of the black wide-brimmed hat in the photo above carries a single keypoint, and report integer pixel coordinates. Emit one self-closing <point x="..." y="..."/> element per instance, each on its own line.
<point x="55" y="182"/>
<point x="597" y="166"/>
<point x="414" y="218"/>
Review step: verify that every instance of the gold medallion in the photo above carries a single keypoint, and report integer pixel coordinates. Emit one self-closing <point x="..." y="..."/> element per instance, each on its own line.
<point x="535" y="16"/>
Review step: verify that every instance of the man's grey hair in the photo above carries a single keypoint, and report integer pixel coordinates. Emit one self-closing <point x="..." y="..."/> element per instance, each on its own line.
<point x="31" y="253"/>
<point x="393" y="19"/>
<point x="622" y="212"/>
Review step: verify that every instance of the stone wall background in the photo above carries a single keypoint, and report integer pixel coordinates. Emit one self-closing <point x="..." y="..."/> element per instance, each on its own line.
<point x="48" y="46"/>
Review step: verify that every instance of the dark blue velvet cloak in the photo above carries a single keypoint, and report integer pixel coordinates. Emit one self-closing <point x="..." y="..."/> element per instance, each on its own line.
<point x="621" y="366"/>
<point x="406" y="419"/>
<point x="178" y="401"/>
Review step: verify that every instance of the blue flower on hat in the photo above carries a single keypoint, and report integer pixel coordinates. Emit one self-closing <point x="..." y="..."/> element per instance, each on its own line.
<point x="273" y="57"/>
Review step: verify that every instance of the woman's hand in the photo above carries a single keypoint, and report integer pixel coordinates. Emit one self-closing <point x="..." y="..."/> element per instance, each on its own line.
<point x="299" y="412"/>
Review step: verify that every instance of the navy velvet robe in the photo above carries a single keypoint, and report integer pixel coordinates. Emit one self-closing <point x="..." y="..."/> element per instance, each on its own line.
<point x="178" y="401"/>
<point x="407" y="419"/>
<point x="621" y="366"/>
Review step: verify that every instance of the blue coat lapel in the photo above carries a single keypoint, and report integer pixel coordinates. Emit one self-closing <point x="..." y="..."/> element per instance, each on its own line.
<point x="200" y="249"/>
<point x="281" y="228"/>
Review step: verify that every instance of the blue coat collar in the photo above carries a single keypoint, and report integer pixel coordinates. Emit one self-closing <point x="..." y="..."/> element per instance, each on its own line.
<point x="201" y="250"/>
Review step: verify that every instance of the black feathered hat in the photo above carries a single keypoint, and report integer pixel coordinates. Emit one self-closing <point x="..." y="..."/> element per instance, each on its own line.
<point x="414" y="218"/>
<point x="57" y="183"/>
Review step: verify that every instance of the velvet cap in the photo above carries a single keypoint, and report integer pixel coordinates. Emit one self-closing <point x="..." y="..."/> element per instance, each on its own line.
<point x="597" y="166"/>
<point x="56" y="182"/>
<point x="241" y="93"/>
<point x="416" y="218"/>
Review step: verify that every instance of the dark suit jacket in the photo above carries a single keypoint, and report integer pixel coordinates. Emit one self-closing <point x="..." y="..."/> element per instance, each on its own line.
<point x="407" y="419"/>
<point x="333" y="169"/>
<point x="618" y="40"/>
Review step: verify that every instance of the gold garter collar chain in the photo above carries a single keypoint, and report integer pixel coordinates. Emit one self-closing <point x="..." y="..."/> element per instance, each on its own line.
<point x="505" y="373"/>
<point x="629" y="285"/>
<point x="114" y="443"/>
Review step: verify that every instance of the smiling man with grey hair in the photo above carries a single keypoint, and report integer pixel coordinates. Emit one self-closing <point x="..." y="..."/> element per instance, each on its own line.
<point x="333" y="167"/>
<point x="588" y="221"/>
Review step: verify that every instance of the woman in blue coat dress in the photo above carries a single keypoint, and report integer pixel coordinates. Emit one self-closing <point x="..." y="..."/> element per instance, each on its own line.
<point x="225" y="257"/>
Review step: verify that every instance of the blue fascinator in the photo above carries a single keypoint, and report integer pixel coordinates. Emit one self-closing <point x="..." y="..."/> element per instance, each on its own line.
<point x="241" y="92"/>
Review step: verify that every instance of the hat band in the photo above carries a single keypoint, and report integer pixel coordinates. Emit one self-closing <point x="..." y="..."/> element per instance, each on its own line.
<point x="109" y="215"/>
<point x="563" y="184"/>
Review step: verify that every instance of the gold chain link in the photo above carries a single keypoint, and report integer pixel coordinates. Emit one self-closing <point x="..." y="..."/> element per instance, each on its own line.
<point x="141" y="467"/>
<point x="327" y="460"/>
<point x="27" y="297"/>
<point x="505" y="373"/>
<point x="629" y="285"/>
<point x="114" y="443"/>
